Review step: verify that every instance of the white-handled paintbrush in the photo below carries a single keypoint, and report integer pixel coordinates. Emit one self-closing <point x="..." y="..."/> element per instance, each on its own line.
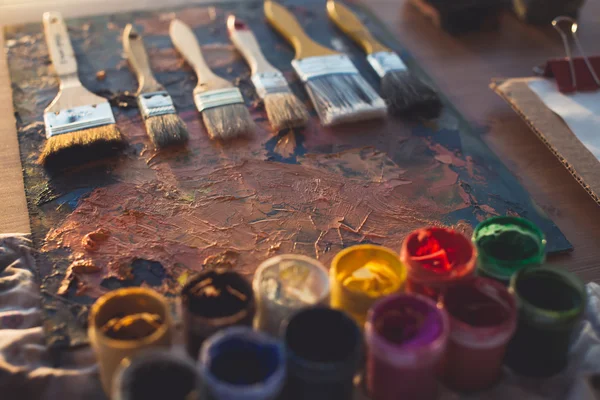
<point x="284" y="109"/>
<point x="163" y="125"/>
<point x="338" y="91"/>
<point x="221" y="104"/>
<point x="403" y="91"/>
<point x="80" y="125"/>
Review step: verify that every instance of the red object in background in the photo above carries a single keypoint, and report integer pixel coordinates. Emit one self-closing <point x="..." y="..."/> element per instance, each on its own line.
<point x="560" y="69"/>
<point x="435" y="259"/>
<point x="483" y="318"/>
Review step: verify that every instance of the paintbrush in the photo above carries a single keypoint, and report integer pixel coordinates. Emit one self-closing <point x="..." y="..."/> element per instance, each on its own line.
<point x="163" y="125"/>
<point x="339" y="93"/>
<point x="80" y="126"/>
<point x="403" y="91"/>
<point x="284" y="109"/>
<point x="221" y="104"/>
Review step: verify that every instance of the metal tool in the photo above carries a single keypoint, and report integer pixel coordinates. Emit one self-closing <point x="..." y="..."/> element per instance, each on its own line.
<point x="558" y="24"/>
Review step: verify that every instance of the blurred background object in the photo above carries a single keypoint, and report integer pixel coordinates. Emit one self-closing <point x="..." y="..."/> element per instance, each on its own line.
<point x="459" y="16"/>
<point x="544" y="11"/>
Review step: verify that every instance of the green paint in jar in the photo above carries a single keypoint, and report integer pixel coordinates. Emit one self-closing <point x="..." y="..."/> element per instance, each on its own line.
<point x="550" y="302"/>
<point x="505" y="245"/>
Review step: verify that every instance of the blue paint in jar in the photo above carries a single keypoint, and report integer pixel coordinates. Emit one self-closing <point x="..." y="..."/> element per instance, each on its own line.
<point x="241" y="364"/>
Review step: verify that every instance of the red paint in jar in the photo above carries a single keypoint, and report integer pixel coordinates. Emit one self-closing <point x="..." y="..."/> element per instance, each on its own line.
<point x="437" y="258"/>
<point x="483" y="318"/>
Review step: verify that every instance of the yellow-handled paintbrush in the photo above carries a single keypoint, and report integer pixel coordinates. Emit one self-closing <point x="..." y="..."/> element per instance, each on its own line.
<point x="338" y="91"/>
<point x="403" y="91"/>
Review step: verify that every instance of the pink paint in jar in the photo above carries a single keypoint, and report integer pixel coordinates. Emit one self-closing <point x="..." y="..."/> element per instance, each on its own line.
<point x="406" y="336"/>
<point x="437" y="258"/>
<point x="483" y="318"/>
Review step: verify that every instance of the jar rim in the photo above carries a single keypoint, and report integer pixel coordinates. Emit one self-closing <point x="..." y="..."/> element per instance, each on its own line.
<point x="418" y="274"/>
<point x="390" y="349"/>
<point x="548" y="315"/>
<point x="400" y="269"/>
<point x="496" y="267"/>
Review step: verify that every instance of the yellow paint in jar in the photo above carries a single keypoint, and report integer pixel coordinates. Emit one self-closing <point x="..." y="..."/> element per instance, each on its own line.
<point x="376" y="278"/>
<point x="360" y="275"/>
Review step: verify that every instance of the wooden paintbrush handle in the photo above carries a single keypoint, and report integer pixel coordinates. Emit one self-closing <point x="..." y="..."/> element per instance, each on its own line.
<point x="133" y="44"/>
<point x="59" y="45"/>
<point x="186" y="43"/>
<point x="245" y="41"/>
<point x="288" y="26"/>
<point x="350" y="24"/>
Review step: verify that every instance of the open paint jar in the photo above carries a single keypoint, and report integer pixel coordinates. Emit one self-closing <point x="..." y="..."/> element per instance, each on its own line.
<point x="506" y="245"/>
<point x="156" y="375"/>
<point x="360" y="275"/>
<point x="436" y="258"/>
<point x="483" y="318"/>
<point x="323" y="347"/>
<point x="241" y="364"/>
<point x="213" y="300"/>
<point x="284" y="284"/>
<point x="551" y="303"/>
<point x="406" y="336"/>
<point x="124" y="323"/>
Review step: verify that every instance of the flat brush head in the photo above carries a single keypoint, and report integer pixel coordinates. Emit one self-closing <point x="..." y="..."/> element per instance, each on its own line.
<point x="285" y="111"/>
<point x="69" y="149"/>
<point x="229" y="121"/>
<point x="339" y="93"/>
<point x="404" y="92"/>
<point x="163" y="125"/>
<point x="344" y="98"/>
<point x="166" y="130"/>
<point x="407" y="94"/>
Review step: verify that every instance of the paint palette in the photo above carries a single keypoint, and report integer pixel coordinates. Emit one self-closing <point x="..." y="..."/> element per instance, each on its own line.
<point x="165" y="215"/>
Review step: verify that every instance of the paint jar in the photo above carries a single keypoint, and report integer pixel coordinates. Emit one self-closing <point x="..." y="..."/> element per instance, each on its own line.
<point x="124" y="323"/>
<point x="323" y="352"/>
<point x="360" y="275"/>
<point x="483" y="318"/>
<point x="212" y="300"/>
<point x="156" y="375"/>
<point x="507" y="244"/>
<point x="284" y="284"/>
<point x="241" y="364"/>
<point x="406" y="336"/>
<point x="436" y="258"/>
<point x="551" y="302"/>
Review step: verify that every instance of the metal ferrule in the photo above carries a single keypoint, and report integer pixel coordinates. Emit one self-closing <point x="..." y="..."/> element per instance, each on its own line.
<point x="155" y="104"/>
<point x="385" y="61"/>
<point x="313" y="67"/>
<point x="269" y="83"/>
<point x="78" y="118"/>
<point x="218" y="98"/>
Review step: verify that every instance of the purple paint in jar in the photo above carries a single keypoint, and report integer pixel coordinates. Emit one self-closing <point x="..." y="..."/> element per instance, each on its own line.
<point x="406" y="336"/>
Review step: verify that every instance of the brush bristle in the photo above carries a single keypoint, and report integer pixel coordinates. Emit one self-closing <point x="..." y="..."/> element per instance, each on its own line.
<point x="78" y="147"/>
<point x="226" y="122"/>
<point x="405" y="93"/>
<point x="285" y="111"/>
<point x="166" y="130"/>
<point x="342" y="98"/>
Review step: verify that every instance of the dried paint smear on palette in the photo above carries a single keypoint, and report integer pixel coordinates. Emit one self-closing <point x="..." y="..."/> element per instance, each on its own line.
<point x="153" y="218"/>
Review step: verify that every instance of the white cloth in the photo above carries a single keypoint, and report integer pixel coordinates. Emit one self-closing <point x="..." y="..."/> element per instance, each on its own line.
<point x="27" y="370"/>
<point x="580" y="111"/>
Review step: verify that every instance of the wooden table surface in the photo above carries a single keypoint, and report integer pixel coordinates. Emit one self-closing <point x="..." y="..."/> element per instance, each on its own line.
<point x="462" y="67"/>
